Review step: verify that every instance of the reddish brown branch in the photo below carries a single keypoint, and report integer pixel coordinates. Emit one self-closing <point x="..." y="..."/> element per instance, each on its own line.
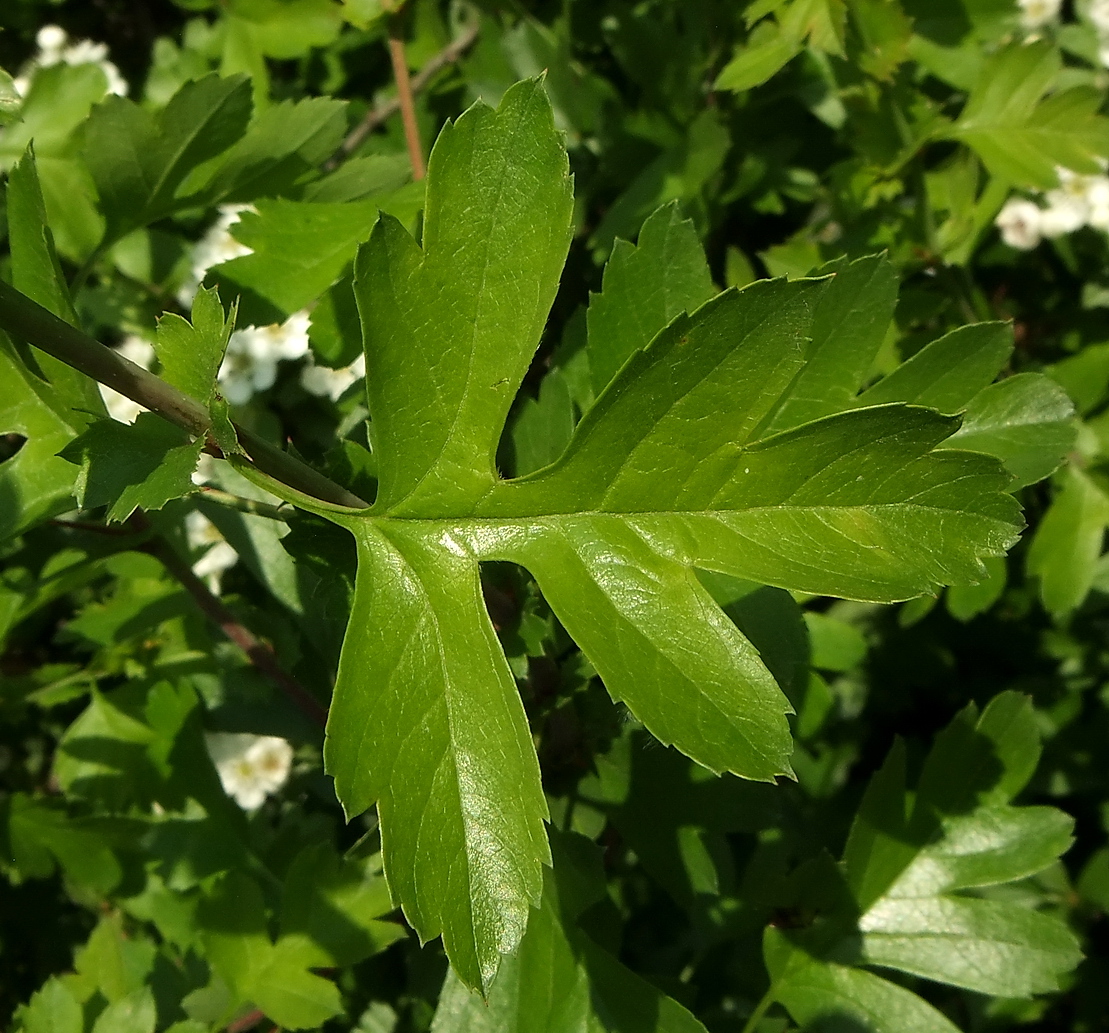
<point x="383" y="112"/>
<point x="406" y="98"/>
<point x="258" y="652"/>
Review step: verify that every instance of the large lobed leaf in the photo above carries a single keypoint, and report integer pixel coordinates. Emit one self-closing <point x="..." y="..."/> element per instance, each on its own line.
<point x="686" y="461"/>
<point x="919" y="874"/>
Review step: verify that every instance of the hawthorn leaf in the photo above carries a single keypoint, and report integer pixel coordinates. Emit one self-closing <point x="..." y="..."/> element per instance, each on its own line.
<point x="1020" y="135"/>
<point x="35" y="484"/>
<point x="823" y="995"/>
<point x="645" y="287"/>
<point x="125" y="468"/>
<point x="766" y="54"/>
<point x="947" y="373"/>
<point x="965" y="602"/>
<point x="38" y="274"/>
<point x="560" y="980"/>
<point x="289" y="993"/>
<point x="337" y="905"/>
<point x="543" y="426"/>
<point x="283" y="143"/>
<point x="10" y="100"/>
<point x="848" y="328"/>
<point x="35" y="267"/>
<point x="146" y="464"/>
<point x="53" y="1009"/>
<point x="39" y="833"/>
<point x="301" y="248"/>
<point x="135" y="1013"/>
<point x="670" y="471"/>
<point x="138" y="160"/>
<point x="275" y="977"/>
<point x="426" y="720"/>
<point x="907" y="867"/>
<point x="190" y="353"/>
<point x="1027" y="421"/>
<point x="1068" y="542"/>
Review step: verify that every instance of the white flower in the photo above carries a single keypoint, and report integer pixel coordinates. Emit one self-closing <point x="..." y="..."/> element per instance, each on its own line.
<point x="1099" y="15"/>
<point x="332" y="383"/>
<point x="1019" y="223"/>
<point x="253" y="353"/>
<point x="51" y="39"/>
<point x="214" y="248"/>
<point x="250" y="767"/>
<point x="1097" y="196"/>
<point x="201" y="533"/>
<point x="53" y="50"/>
<point x="1066" y="212"/>
<point x="1036" y="13"/>
<point x="248" y="367"/>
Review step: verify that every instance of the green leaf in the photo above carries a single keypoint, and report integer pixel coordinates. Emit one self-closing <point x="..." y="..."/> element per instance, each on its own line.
<point x="38" y="274"/>
<point x="53" y="1009"/>
<point x="848" y="327"/>
<point x="291" y="995"/>
<point x="965" y="602"/>
<point x="766" y="55"/>
<point x="824" y="995"/>
<point x="836" y="646"/>
<point x="284" y="144"/>
<point x="191" y="352"/>
<point x="1021" y="136"/>
<point x="559" y="980"/>
<point x="274" y="977"/>
<point x="117" y="964"/>
<point x="1027" y="421"/>
<point x="39" y="833"/>
<point x="138" y="160"/>
<point x="337" y="905"/>
<point x="667" y="472"/>
<point x="35" y="484"/>
<point x="141" y="466"/>
<point x="1068" y="542"/>
<point x="907" y="867"/>
<point x="35" y="267"/>
<point x="133" y="1014"/>
<point x="950" y="371"/>
<point x="543" y="426"/>
<point x="10" y="100"/>
<point x="301" y="248"/>
<point x="645" y="288"/>
<point x="1085" y="376"/>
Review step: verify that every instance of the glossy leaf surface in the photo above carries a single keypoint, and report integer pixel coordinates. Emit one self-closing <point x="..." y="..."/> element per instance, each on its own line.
<point x="669" y="471"/>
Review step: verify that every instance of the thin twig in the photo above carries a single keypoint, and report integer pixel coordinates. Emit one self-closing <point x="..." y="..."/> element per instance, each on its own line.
<point x="258" y="652"/>
<point x="404" y="95"/>
<point x="29" y="321"/>
<point x="380" y="114"/>
<point x="250" y="506"/>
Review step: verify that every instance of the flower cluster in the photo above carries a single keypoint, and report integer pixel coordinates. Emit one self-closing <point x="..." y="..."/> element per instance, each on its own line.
<point x="332" y="383"/>
<point x="56" y="49"/>
<point x="250" y="767"/>
<point x="253" y="353"/>
<point x="1078" y="201"/>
